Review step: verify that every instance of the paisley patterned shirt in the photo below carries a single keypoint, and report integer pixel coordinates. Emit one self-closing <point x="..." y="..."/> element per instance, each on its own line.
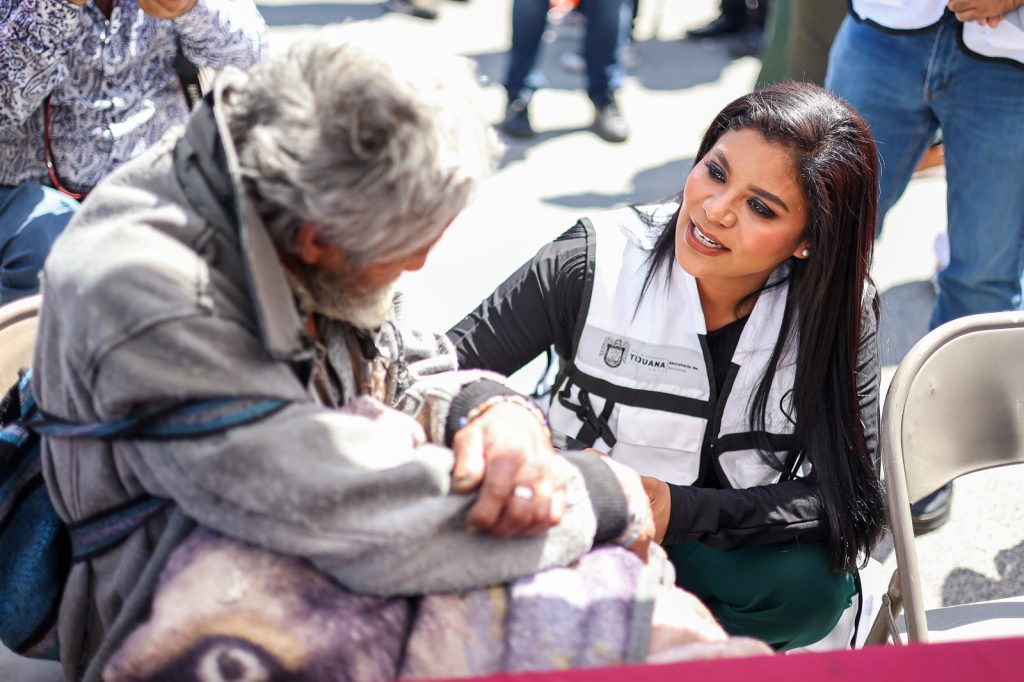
<point x="112" y="85"/>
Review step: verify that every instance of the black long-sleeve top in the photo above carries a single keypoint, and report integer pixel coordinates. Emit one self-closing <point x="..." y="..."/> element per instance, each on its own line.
<point x="538" y="306"/>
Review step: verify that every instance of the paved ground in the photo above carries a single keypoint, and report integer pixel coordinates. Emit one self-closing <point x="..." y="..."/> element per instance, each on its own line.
<point x="543" y="186"/>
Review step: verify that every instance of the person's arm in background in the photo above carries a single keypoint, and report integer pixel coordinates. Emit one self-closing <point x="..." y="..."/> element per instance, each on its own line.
<point x="989" y="12"/>
<point x="782" y="512"/>
<point x="215" y="33"/>
<point x="534" y="308"/>
<point x="35" y="37"/>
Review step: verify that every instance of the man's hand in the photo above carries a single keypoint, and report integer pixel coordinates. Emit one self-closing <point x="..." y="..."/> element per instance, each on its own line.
<point x="506" y="453"/>
<point x="165" y="9"/>
<point x="982" y="11"/>
<point x="660" y="500"/>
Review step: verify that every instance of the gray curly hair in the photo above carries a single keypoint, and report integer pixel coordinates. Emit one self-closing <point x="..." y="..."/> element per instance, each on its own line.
<point x="378" y="148"/>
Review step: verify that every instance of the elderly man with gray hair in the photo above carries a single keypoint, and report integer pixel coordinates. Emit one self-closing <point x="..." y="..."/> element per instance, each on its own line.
<point x="251" y="256"/>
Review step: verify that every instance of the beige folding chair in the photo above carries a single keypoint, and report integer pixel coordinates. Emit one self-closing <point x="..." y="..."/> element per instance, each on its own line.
<point x="18" y="321"/>
<point x="955" y="405"/>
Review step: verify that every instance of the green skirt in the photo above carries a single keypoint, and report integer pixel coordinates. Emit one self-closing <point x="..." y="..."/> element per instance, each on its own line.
<point x="785" y="595"/>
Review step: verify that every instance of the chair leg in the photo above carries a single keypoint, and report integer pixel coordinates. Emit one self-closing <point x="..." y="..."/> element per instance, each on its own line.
<point x="884" y="626"/>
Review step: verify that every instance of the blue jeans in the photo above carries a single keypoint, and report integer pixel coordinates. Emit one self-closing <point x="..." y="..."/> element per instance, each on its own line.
<point x="31" y="218"/>
<point x="607" y="31"/>
<point x="908" y="85"/>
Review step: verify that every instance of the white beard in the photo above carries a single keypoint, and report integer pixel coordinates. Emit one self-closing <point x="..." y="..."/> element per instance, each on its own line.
<point x="342" y="301"/>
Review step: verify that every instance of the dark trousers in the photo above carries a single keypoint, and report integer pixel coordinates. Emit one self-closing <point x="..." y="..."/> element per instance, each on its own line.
<point x="737" y="10"/>
<point x="31" y="218"/>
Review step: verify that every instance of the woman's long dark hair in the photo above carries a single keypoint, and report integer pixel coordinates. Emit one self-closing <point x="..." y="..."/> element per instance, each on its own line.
<point x="837" y="169"/>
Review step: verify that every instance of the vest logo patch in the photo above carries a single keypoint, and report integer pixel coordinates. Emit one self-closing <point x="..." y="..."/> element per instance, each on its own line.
<point x="613" y="351"/>
<point x="641" y="360"/>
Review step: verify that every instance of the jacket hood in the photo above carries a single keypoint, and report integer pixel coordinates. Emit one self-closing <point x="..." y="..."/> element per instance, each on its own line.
<point x="207" y="166"/>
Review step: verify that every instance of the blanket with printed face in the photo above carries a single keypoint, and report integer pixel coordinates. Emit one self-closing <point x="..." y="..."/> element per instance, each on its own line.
<point x="225" y="610"/>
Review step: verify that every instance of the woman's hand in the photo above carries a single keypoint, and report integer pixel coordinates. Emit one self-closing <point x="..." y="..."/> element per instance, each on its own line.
<point x="661" y="505"/>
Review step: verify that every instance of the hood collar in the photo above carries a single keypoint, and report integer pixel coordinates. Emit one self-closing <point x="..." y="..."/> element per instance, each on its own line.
<point x="281" y="328"/>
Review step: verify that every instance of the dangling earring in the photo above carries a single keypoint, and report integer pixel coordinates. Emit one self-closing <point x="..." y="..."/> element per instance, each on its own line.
<point x="805" y="253"/>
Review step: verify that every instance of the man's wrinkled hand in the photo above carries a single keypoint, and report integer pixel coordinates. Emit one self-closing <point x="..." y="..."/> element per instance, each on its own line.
<point x="506" y="453"/>
<point x="984" y="12"/>
<point x="166" y="9"/>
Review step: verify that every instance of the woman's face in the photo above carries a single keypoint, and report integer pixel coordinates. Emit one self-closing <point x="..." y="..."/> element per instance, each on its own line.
<point x="742" y="213"/>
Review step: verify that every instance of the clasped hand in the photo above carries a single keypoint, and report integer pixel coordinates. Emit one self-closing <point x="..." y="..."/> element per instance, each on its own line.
<point x="506" y="454"/>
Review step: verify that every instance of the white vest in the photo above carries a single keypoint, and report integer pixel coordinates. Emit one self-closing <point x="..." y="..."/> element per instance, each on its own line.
<point x="651" y="362"/>
<point x="1005" y="41"/>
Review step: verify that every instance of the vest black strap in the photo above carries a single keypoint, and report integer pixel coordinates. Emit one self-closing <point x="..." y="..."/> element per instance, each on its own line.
<point x="594" y="426"/>
<point x="637" y="397"/>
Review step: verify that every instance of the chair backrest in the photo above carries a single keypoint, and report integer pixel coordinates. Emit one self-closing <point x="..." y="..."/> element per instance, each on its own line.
<point x="955" y="405"/>
<point x="18" y="321"/>
<point x="956" y="402"/>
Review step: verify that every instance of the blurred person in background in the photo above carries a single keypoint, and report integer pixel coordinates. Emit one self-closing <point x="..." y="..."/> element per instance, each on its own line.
<point x="798" y="36"/>
<point x="607" y="30"/>
<point x="911" y="67"/>
<point x="743" y="19"/>
<point x="86" y="85"/>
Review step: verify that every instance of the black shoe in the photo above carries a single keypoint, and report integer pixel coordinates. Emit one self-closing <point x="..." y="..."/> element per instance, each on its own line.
<point x="517" y="119"/>
<point x="721" y="26"/>
<point x="609" y="123"/>
<point x="414" y="8"/>
<point x="932" y="511"/>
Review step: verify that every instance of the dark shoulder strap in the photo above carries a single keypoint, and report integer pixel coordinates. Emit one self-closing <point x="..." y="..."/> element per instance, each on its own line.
<point x="188" y="76"/>
<point x="567" y="368"/>
<point x="95" y="535"/>
<point x="190" y="420"/>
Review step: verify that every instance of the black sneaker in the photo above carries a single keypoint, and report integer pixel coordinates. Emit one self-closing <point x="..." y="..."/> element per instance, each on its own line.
<point x="932" y="511"/>
<point x="609" y="123"/>
<point x="517" y="119"/>
<point x="414" y="8"/>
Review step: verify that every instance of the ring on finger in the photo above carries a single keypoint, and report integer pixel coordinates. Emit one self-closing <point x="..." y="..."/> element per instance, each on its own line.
<point x="523" y="492"/>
